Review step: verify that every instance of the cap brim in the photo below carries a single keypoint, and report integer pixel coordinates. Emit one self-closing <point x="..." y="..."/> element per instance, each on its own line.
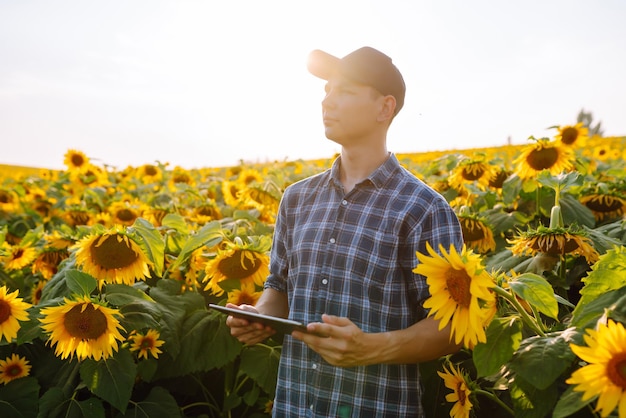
<point x="322" y="64"/>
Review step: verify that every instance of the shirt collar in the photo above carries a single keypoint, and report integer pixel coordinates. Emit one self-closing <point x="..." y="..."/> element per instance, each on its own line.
<point x="378" y="177"/>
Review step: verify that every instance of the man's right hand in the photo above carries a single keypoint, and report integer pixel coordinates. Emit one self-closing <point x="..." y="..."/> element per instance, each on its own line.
<point x="245" y="331"/>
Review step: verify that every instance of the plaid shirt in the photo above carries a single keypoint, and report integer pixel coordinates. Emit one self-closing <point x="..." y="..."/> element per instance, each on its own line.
<point x="352" y="255"/>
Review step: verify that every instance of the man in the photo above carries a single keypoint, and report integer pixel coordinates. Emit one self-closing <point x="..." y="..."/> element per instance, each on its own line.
<point x="342" y="259"/>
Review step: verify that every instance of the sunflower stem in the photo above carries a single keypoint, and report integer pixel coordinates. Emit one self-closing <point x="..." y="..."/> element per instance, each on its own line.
<point x="494" y="398"/>
<point x="70" y="379"/>
<point x="531" y="322"/>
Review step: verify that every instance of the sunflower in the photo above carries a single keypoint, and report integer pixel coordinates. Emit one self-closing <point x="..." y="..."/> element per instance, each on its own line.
<point x="36" y="292"/>
<point x="230" y="192"/>
<point x="12" y="368"/>
<point x="149" y="173"/>
<point x="247" y="294"/>
<point x="498" y="179"/>
<point x="602" y="152"/>
<point x="12" y="310"/>
<point x="89" y="176"/>
<point x="472" y="171"/>
<point x="205" y="212"/>
<point x="112" y="257"/>
<point x="146" y="343"/>
<point x="605" y="206"/>
<point x="76" y="215"/>
<point x="47" y="262"/>
<point x="125" y="212"/>
<point x="75" y="161"/>
<point x="571" y="135"/>
<point x="264" y="201"/>
<point x="8" y="200"/>
<point x="243" y="262"/>
<point x="181" y="176"/>
<point x="459" y="287"/>
<point x="604" y="376"/>
<point x="454" y="379"/>
<point x="557" y="241"/>
<point x="543" y="155"/>
<point x="17" y="256"/>
<point x="83" y="328"/>
<point x="248" y="176"/>
<point x="477" y="234"/>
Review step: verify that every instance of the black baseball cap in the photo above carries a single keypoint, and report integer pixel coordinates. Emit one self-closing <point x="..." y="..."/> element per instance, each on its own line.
<point x="366" y="66"/>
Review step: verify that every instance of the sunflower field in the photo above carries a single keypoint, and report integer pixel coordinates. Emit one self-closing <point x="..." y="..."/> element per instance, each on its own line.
<point x="106" y="274"/>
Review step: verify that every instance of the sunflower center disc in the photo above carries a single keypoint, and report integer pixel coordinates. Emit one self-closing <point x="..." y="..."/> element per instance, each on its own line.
<point x="473" y="173"/>
<point x="239" y="266"/>
<point x="5" y="311"/>
<point x="569" y="136"/>
<point x="113" y="254"/>
<point x="543" y="158"/>
<point x="616" y="370"/>
<point x="458" y="283"/>
<point x="472" y="230"/>
<point x="88" y="324"/>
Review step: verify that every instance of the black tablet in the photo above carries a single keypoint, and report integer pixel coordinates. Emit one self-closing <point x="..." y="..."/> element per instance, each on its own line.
<point x="284" y="326"/>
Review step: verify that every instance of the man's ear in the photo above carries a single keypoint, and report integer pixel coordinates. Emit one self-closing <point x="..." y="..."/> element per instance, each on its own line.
<point x="388" y="108"/>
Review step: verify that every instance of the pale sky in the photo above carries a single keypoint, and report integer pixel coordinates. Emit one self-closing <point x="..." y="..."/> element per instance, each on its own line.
<point x="210" y="83"/>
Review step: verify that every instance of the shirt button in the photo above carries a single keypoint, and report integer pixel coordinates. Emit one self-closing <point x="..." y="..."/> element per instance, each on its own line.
<point x="314" y="366"/>
<point x="324" y="281"/>
<point x="344" y="202"/>
<point x="332" y="240"/>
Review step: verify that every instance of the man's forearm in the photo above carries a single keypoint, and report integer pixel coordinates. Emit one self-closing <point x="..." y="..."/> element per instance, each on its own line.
<point x="274" y="303"/>
<point x="419" y="343"/>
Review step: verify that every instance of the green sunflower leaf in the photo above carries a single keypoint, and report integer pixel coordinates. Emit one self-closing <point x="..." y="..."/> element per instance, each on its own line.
<point x="503" y="338"/>
<point x="607" y="274"/>
<point x="260" y="362"/>
<point x="80" y="283"/>
<point x="541" y="360"/>
<point x="209" y="235"/>
<point x="151" y="242"/>
<point x="19" y="398"/>
<point x="205" y="344"/>
<point x="570" y="402"/>
<point x="158" y="403"/>
<point x="538" y="292"/>
<point x="111" y="379"/>
<point x="139" y="310"/>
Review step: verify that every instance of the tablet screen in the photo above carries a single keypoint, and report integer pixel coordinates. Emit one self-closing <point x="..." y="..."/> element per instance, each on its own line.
<point x="284" y="326"/>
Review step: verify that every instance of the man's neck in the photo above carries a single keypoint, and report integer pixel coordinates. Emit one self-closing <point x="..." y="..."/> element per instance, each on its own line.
<point x="357" y="163"/>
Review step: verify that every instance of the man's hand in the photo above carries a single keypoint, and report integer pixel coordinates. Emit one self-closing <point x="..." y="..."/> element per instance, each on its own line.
<point x="245" y="331"/>
<point x="338" y="340"/>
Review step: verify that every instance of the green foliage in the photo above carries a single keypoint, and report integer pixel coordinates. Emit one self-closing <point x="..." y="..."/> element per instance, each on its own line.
<point x="545" y="302"/>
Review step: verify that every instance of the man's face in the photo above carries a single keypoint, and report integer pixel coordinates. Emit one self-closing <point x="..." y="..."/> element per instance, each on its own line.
<point x="350" y="110"/>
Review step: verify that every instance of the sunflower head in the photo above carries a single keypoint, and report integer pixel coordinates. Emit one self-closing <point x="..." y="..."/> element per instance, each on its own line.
<point x="604" y="376"/>
<point x="75" y="160"/>
<point x="460" y="292"/>
<point x="149" y="173"/>
<point x="16" y="257"/>
<point x="244" y="262"/>
<point x="13" y="367"/>
<point x="472" y="171"/>
<point x="145" y="344"/>
<point x="572" y="135"/>
<point x="12" y="310"/>
<point x="112" y="257"/>
<point x="557" y="241"/>
<point x="82" y="328"/>
<point x="457" y="381"/>
<point x="477" y="234"/>
<point x="543" y="155"/>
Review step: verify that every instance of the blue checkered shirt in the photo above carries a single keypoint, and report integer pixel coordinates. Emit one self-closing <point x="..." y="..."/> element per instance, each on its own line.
<point x="352" y="255"/>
